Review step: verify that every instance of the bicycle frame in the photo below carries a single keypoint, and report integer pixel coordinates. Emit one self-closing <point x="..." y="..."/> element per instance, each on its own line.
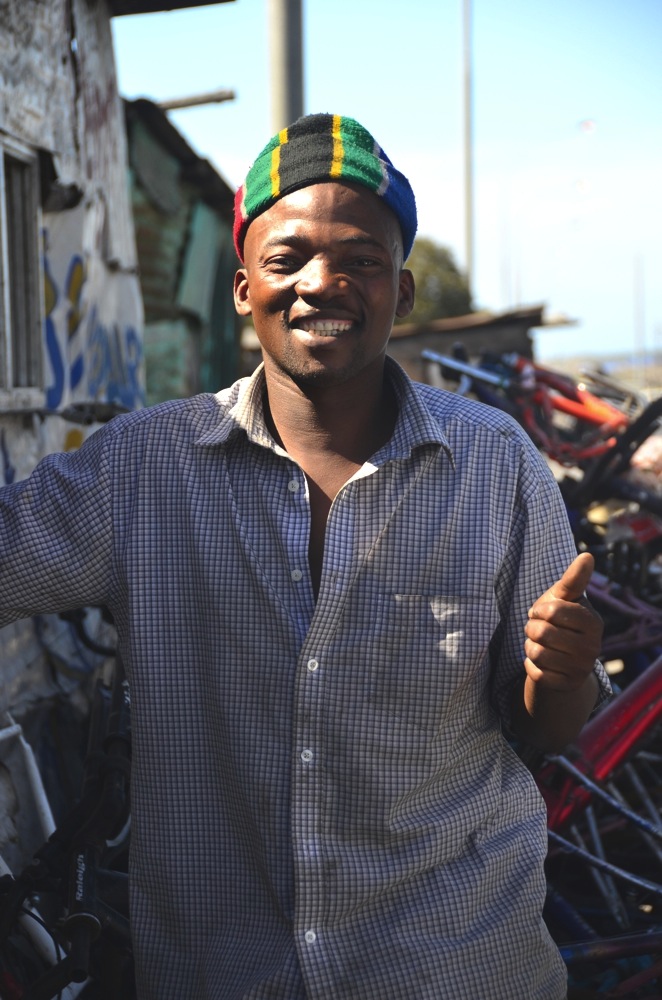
<point x="604" y="744"/>
<point x="574" y="785"/>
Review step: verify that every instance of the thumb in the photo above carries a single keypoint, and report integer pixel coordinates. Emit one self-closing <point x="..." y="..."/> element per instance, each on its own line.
<point x="574" y="581"/>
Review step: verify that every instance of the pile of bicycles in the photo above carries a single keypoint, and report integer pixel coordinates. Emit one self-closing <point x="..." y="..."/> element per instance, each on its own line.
<point x="604" y="793"/>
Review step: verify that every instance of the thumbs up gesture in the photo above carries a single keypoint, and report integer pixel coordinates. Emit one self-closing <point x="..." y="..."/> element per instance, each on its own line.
<point x="563" y="633"/>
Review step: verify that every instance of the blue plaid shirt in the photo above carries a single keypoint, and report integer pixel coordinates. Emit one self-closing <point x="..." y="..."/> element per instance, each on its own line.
<point x="324" y="804"/>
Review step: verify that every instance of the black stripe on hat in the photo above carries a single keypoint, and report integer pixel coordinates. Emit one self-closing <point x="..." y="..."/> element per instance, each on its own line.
<point x="308" y="154"/>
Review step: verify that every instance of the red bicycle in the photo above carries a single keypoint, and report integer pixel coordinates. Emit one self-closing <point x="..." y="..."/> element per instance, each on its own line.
<point x="568" y="421"/>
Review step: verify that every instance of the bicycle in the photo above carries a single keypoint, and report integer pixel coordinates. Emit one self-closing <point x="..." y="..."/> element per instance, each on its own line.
<point x="567" y="421"/>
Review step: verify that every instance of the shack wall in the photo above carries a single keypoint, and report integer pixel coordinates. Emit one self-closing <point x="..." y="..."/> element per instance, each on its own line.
<point x="59" y="105"/>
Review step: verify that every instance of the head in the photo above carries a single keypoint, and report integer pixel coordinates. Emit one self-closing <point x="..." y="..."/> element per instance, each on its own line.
<point x="323" y="224"/>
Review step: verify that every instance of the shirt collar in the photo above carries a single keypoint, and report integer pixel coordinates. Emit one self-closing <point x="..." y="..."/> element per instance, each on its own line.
<point x="415" y="425"/>
<point x="245" y="412"/>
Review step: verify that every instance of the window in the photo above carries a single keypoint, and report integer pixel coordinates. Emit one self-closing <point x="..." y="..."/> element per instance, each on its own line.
<point x="20" y="278"/>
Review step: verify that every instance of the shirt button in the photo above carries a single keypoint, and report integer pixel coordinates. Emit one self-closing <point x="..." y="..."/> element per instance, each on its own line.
<point x="312" y="665"/>
<point x="306" y="756"/>
<point x="310" y="937"/>
<point x="293" y="485"/>
<point x="296" y="575"/>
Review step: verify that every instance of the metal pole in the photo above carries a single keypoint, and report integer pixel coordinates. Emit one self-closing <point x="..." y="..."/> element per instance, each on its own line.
<point x="286" y="47"/>
<point x="468" y="147"/>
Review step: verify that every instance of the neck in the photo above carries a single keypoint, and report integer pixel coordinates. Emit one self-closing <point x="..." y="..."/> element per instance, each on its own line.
<point x="351" y="420"/>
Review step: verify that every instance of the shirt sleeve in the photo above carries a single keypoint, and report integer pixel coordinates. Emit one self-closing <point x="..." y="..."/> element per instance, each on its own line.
<point x="56" y="534"/>
<point x="540" y="548"/>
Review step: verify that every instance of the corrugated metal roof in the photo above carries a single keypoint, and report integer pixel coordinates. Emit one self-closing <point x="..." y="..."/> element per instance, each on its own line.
<point x="527" y="316"/>
<point x="169" y="181"/>
<point x="119" y="8"/>
<point x="211" y="186"/>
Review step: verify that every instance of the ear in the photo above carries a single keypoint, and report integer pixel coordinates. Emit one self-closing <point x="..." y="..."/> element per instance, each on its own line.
<point x="406" y="292"/>
<point x="241" y="293"/>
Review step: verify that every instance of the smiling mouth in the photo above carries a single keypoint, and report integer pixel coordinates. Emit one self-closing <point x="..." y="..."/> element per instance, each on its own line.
<point x="323" y="327"/>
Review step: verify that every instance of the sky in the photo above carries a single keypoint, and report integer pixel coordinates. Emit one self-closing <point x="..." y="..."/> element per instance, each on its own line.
<point x="566" y="138"/>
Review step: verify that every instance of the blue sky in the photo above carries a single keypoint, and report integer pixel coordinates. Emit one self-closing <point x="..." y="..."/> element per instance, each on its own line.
<point x="567" y="133"/>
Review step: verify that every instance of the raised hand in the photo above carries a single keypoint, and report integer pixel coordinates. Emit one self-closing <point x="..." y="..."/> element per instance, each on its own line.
<point x="563" y="632"/>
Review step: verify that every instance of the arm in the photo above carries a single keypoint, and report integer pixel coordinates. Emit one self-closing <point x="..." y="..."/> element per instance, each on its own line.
<point x="56" y="534"/>
<point x="559" y="690"/>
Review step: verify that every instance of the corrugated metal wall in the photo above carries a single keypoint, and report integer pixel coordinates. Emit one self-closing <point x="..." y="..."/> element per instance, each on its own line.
<point x="187" y="262"/>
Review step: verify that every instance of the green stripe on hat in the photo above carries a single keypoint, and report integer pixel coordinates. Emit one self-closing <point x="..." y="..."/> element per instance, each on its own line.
<point x="360" y="164"/>
<point x="258" y="186"/>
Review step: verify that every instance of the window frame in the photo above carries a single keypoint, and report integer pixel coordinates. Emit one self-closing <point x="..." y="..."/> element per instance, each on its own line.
<point x="20" y="228"/>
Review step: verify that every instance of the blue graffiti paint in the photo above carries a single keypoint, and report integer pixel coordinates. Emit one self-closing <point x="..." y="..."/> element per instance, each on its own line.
<point x="77" y="370"/>
<point x="134" y="360"/>
<point x="55" y="391"/>
<point x="73" y="289"/>
<point x="114" y="360"/>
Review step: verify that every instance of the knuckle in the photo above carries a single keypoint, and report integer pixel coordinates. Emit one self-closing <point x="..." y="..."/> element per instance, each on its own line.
<point x="533" y="650"/>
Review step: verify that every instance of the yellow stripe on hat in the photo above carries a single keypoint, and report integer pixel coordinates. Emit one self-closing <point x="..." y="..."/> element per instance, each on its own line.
<point x="338" y="149"/>
<point x="275" y="164"/>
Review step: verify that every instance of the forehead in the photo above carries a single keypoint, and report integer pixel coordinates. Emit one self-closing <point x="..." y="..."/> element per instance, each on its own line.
<point x="326" y="211"/>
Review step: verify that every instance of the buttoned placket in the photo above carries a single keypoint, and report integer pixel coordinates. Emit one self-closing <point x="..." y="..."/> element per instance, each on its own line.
<point x="300" y="599"/>
<point x="344" y="552"/>
<point x="308" y="791"/>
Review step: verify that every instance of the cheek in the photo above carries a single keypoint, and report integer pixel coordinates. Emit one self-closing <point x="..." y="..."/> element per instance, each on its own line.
<point x="270" y="296"/>
<point x="268" y="308"/>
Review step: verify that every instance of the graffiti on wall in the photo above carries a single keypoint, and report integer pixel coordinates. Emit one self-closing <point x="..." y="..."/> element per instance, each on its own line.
<point x="94" y="359"/>
<point x="91" y="324"/>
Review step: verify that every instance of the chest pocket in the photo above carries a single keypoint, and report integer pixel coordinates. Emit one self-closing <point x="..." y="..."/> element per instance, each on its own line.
<point x="429" y="660"/>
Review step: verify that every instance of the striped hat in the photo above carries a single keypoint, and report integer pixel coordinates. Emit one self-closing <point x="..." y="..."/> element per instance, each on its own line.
<point x="322" y="148"/>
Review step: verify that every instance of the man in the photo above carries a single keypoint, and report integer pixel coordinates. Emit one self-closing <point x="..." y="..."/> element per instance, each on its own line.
<point x="326" y="583"/>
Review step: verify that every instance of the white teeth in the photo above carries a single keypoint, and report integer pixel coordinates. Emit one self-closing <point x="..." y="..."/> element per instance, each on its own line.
<point x="330" y="327"/>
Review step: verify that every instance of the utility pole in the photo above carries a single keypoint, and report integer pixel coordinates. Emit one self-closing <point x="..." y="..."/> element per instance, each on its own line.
<point x="286" y="48"/>
<point x="468" y="148"/>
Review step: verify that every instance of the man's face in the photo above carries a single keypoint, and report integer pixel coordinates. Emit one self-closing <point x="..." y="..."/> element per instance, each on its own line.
<point x="323" y="281"/>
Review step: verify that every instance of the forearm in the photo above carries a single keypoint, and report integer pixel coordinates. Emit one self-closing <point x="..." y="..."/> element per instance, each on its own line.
<point x="549" y="719"/>
<point x="55" y="538"/>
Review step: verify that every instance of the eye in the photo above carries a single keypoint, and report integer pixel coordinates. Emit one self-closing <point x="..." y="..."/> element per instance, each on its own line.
<point x="283" y="263"/>
<point x="364" y="261"/>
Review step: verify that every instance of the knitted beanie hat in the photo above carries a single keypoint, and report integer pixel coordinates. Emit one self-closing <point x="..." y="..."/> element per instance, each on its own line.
<point x="322" y="148"/>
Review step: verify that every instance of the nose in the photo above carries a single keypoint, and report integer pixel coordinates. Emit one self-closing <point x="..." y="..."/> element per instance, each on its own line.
<point x="318" y="277"/>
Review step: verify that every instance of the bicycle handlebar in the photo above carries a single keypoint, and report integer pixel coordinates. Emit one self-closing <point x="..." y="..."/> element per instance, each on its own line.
<point x="489" y="378"/>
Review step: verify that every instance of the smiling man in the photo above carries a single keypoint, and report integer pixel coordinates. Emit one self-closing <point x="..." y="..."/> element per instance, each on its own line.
<point x="335" y="590"/>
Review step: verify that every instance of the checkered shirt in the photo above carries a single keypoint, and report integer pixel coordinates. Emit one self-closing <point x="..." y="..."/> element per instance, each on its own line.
<point x="324" y="805"/>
